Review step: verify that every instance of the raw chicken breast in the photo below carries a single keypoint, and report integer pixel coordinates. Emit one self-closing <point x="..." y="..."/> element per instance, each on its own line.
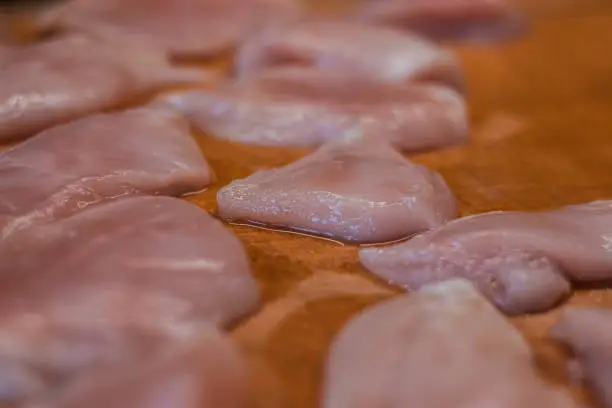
<point x="210" y="373"/>
<point x="307" y="107"/>
<point x="377" y="52"/>
<point x="47" y="83"/>
<point x="185" y="28"/>
<point x="444" y="346"/>
<point x="352" y="190"/>
<point x="114" y="283"/>
<point x="464" y="20"/>
<point x="101" y="157"/>
<point x="519" y="260"/>
<point x="589" y="333"/>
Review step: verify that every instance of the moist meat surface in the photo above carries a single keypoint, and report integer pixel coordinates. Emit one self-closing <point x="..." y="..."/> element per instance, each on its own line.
<point x="47" y="83"/>
<point x="207" y="373"/>
<point x="185" y="28"/>
<point x="303" y="107"/>
<point x="448" y="20"/>
<point x="521" y="261"/>
<point x="443" y="346"/>
<point x="101" y="157"/>
<point x="377" y="52"/>
<point x="588" y="332"/>
<point x="353" y="190"/>
<point x="113" y="284"/>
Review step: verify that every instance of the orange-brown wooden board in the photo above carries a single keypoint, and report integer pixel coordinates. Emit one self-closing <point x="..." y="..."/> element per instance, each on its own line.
<point x="541" y="138"/>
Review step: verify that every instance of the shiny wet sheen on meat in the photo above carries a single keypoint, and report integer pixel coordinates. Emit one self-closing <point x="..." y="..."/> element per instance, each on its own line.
<point x="114" y="283"/>
<point x="51" y="82"/>
<point x="520" y="260"/>
<point x="186" y="28"/>
<point x="448" y="20"/>
<point x="307" y="107"/>
<point x="444" y="346"/>
<point x="207" y="373"/>
<point x="382" y="53"/>
<point x="588" y="332"/>
<point x="69" y="167"/>
<point x="351" y="190"/>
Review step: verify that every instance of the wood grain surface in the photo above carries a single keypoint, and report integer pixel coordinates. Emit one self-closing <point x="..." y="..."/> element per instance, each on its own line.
<point x="541" y="138"/>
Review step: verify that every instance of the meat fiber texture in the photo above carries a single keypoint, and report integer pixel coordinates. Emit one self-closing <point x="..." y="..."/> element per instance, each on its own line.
<point x="101" y="157"/>
<point x="353" y="190"/>
<point x="588" y="332"/>
<point x="444" y="346"/>
<point x="381" y="53"/>
<point x="209" y="373"/>
<point x="522" y="261"/>
<point x="185" y="28"/>
<point x="51" y="82"/>
<point x="448" y="20"/>
<point x="304" y="107"/>
<point x="115" y="283"/>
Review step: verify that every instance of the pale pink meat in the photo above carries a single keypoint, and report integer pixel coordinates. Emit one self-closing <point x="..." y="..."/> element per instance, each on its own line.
<point x="97" y="158"/>
<point x="307" y="107"/>
<point x="351" y="190"/>
<point x="444" y="346"/>
<point x="522" y="261"/>
<point x="208" y="373"/>
<point x="114" y="283"/>
<point x="448" y="20"/>
<point x="47" y="83"/>
<point x="185" y="28"/>
<point x="378" y="52"/>
<point x="588" y="332"/>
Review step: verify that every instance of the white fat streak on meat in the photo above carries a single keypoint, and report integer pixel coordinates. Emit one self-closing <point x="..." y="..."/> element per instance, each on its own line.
<point x="177" y="264"/>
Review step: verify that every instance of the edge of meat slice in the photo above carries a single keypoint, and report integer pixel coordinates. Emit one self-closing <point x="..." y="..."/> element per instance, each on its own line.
<point x="522" y="260"/>
<point x="58" y="80"/>
<point x="588" y="332"/>
<point x="111" y="284"/>
<point x="449" y="20"/>
<point x="209" y="372"/>
<point x="443" y="346"/>
<point x="149" y="60"/>
<point x="354" y="190"/>
<point x="101" y="157"/>
<point x="159" y="224"/>
<point x="305" y="107"/>
<point x="184" y="28"/>
<point x="378" y="52"/>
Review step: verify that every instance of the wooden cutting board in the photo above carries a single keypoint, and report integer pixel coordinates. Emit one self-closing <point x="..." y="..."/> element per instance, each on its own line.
<point x="541" y="138"/>
<point x="541" y="114"/>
